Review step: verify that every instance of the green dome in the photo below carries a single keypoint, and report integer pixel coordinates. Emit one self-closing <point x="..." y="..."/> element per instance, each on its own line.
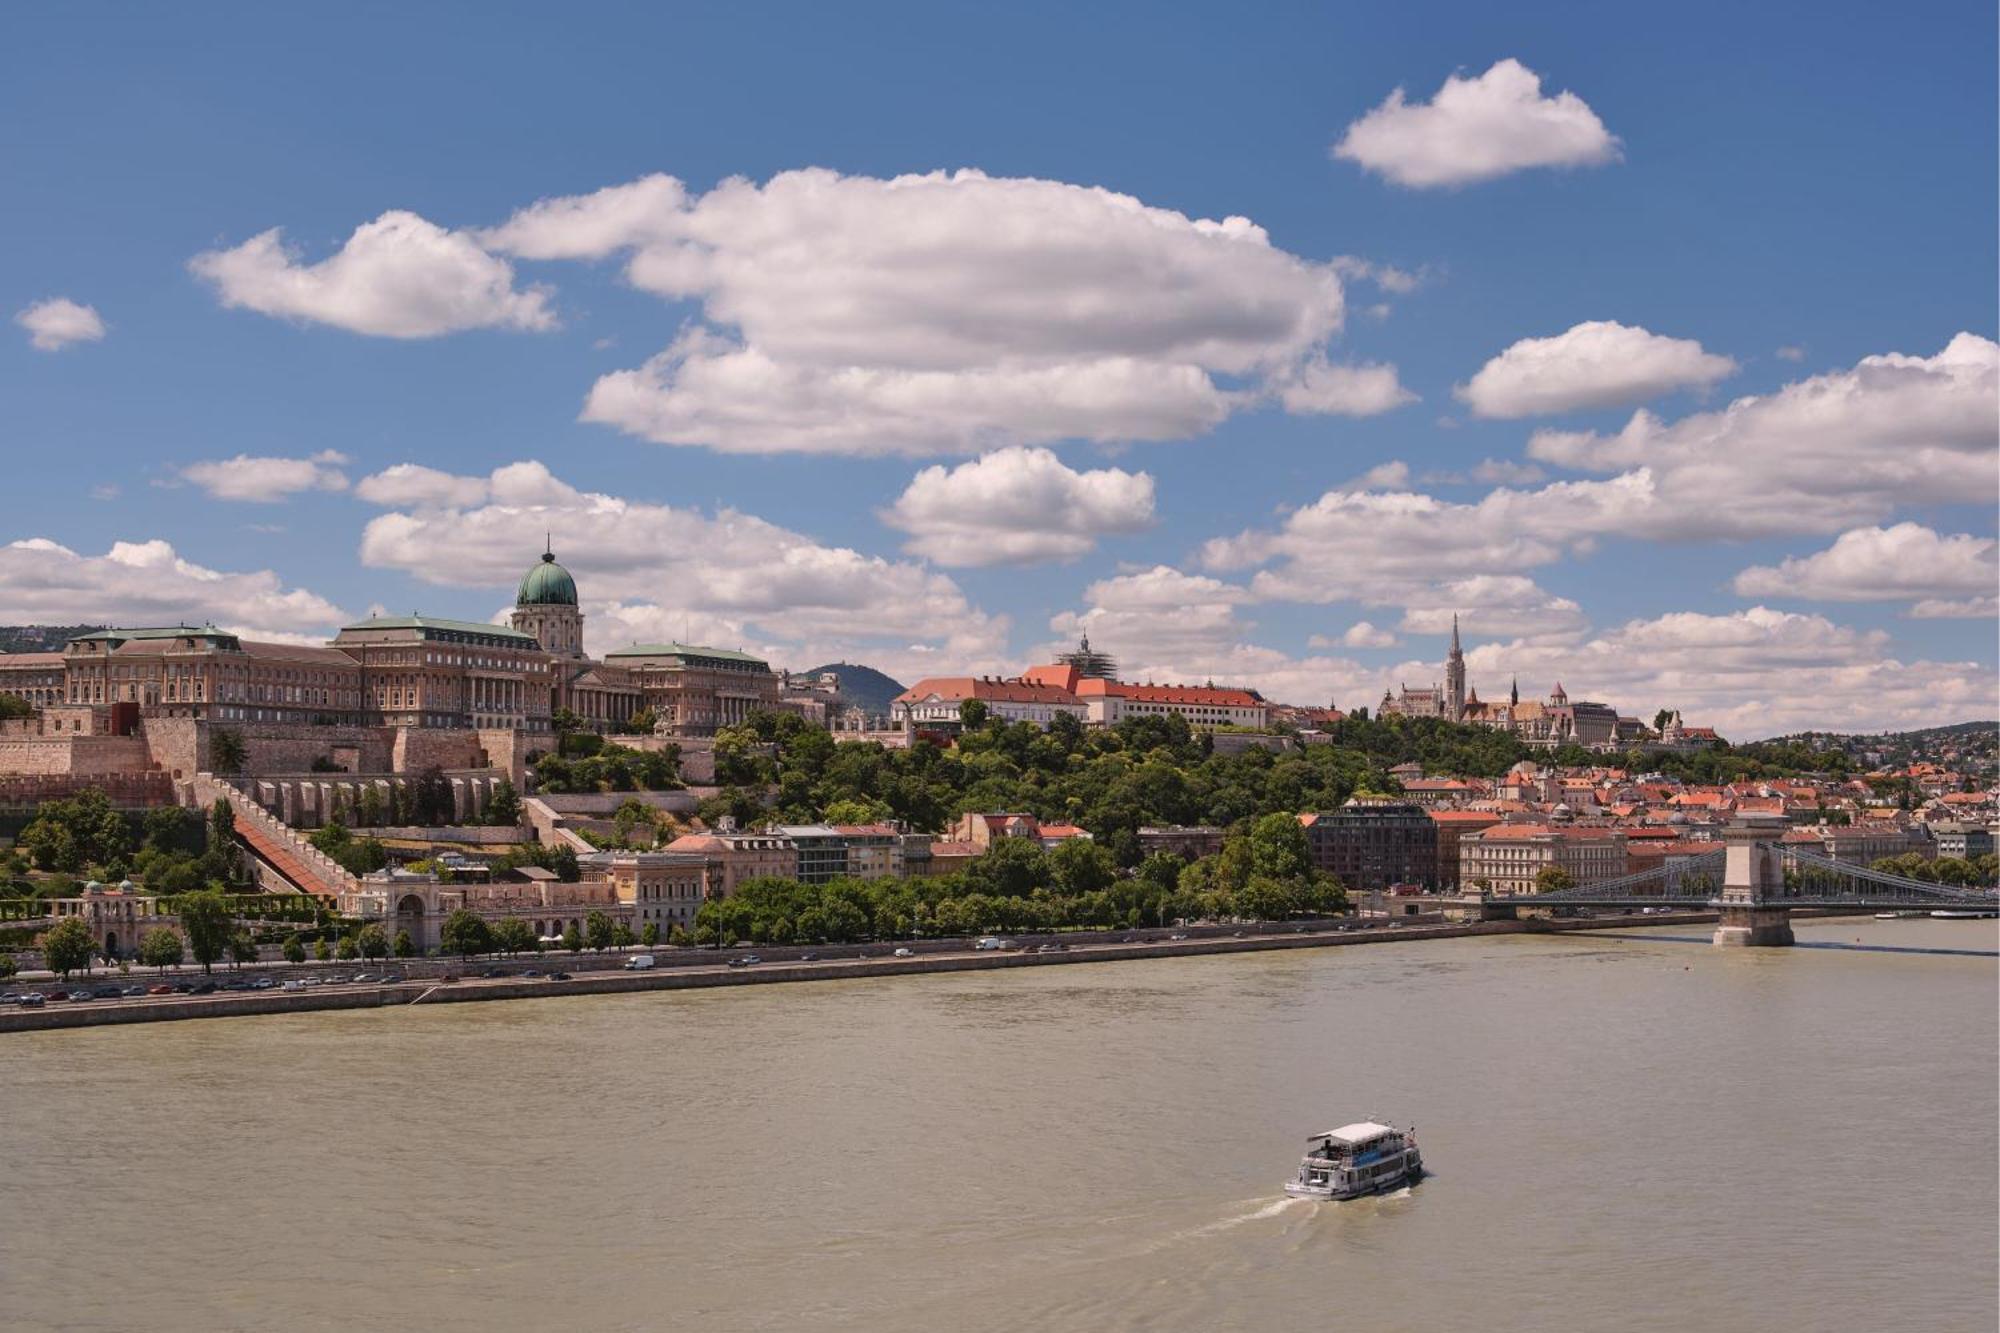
<point x="547" y="584"/>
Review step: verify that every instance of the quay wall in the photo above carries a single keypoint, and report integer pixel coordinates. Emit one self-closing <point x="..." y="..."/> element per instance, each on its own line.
<point x="689" y="975"/>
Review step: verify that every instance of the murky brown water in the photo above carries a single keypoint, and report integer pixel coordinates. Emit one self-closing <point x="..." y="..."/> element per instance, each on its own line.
<point x="1626" y="1134"/>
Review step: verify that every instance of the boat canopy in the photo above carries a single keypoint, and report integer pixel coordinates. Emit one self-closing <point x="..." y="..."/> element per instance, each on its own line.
<point x="1364" y="1131"/>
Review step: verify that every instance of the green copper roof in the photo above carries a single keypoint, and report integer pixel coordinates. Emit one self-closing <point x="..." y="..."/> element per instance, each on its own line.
<point x="547" y="584"/>
<point x="683" y="650"/>
<point x="434" y="622"/>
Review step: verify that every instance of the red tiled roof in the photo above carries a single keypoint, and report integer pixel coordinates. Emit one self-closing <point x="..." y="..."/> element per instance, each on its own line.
<point x="985" y="689"/>
<point x="1208" y="696"/>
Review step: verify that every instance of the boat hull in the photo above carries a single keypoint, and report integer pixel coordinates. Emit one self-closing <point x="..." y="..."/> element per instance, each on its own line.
<point x="1411" y="1172"/>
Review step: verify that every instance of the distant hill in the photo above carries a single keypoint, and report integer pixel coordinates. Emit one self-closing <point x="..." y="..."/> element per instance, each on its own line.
<point x="1969" y="746"/>
<point x="862" y="686"/>
<point x="40" y="638"/>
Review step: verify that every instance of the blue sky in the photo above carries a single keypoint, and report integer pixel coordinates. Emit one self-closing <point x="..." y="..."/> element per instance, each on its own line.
<point x="1765" y="201"/>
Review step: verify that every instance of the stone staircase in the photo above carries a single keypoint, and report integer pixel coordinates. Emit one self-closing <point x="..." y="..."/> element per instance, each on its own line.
<point x="273" y="842"/>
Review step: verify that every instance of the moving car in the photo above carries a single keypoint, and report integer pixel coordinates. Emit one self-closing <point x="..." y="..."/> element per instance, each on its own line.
<point x="905" y="953"/>
<point x="639" y="962"/>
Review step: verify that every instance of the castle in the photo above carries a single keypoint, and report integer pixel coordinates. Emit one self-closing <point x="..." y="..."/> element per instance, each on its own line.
<point x="1552" y="722"/>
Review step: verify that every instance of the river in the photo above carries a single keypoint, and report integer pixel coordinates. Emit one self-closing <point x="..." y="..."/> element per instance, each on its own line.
<point x="1631" y="1133"/>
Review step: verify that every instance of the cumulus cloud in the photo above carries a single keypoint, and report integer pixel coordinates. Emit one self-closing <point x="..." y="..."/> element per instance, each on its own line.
<point x="1599" y="363"/>
<point x="415" y="484"/>
<point x="1477" y="129"/>
<point x="1490" y="605"/>
<point x="149" y="583"/>
<point x="1818" y="455"/>
<point x="264" y="480"/>
<point x="1017" y="506"/>
<point x="1954" y="575"/>
<point x="651" y="571"/>
<point x="947" y="313"/>
<point x="56" y="323"/>
<point x="1323" y="388"/>
<point x="400" y="276"/>
<point x="1383" y="546"/>
<point x="1167" y="625"/>
<point x="1361" y="634"/>
<point x="1751" y="674"/>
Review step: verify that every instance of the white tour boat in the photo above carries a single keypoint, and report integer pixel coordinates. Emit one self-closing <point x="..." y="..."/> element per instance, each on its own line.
<point x="1357" y="1159"/>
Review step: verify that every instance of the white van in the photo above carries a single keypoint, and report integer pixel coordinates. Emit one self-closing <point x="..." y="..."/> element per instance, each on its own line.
<point x="638" y="962"/>
<point x="988" y="942"/>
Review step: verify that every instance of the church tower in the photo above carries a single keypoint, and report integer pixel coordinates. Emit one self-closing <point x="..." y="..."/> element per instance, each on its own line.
<point x="1454" y="678"/>
<point x="546" y="607"/>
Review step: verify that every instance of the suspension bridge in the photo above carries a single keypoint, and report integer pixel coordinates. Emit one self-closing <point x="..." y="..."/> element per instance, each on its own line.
<point x="1754" y="882"/>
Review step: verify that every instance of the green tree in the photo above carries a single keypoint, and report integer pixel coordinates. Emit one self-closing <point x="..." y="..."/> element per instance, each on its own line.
<point x="295" y="948"/>
<point x="650" y="936"/>
<point x="225" y="750"/>
<point x="348" y="949"/>
<point x="222" y="860"/>
<point x="403" y="946"/>
<point x="597" y="930"/>
<point x="503" y="807"/>
<point x="572" y="938"/>
<point x="171" y="828"/>
<point x="1080" y="866"/>
<point x="466" y="933"/>
<point x="242" y="948"/>
<point x="321" y="951"/>
<point x="972" y="714"/>
<point x="208" y="923"/>
<point x="160" y="947"/>
<point x="69" y="835"/>
<point x="372" y="941"/>
<point x="14" y="706"/>
<point x="1278" y="849"/>
<point x="565" y="865"/>
<point x="622" y="937"/>
<point x="1553" y="879"/>
<point x="68" y="946"/>
<point x="513" y="935"/>
<point x="368" y="807"/>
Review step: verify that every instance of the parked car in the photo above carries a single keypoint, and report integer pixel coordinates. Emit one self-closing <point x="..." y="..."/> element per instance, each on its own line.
<point x="905" y="953"/>
<point x="205" y="988"/>
<point x="747" y="960"/>
<point x="134" y="989"/>
<point x="34" y="999"/>
<point x="808" y="958"/>
<point x="295" y="985"/>
<point x="363" y="976"/>
<point x="560" y="976"/>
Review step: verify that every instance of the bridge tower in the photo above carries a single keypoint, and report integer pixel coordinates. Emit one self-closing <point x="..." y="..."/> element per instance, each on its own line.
<point x="1753" y="885"/>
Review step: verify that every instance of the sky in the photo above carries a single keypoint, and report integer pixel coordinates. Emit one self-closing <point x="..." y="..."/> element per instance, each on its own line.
<point x="1255" y="341"/>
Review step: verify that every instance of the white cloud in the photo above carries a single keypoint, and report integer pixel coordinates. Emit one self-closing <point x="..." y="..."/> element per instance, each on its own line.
<point x="1505" y="472"/>
<point x="1476" y="129"/>
<point x="1394" y="475"/>
<point x="1383" y="547"/>
<point x="263" y="480"/>
<point x="148" y="583"/>
<point x="56" y="323"/>
<point x="1599" y="363"/>
<point x="1166" y="625"/>
<point x="1489" y="605"/>
<point x="1361" y="634"/>
<point x="944" y="313"/>
<point x="1908" y="562"/>
<point x="1818" y="455"/>
<point x="653" y="571"/>
<point x="400" y="276"/>
<point x="1348" y="391"/>
<point x="1017" y="506"/>
<point x="1751" y="674"/>
<point x="415" y="484"/>
<point x="1791" y="353"/>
